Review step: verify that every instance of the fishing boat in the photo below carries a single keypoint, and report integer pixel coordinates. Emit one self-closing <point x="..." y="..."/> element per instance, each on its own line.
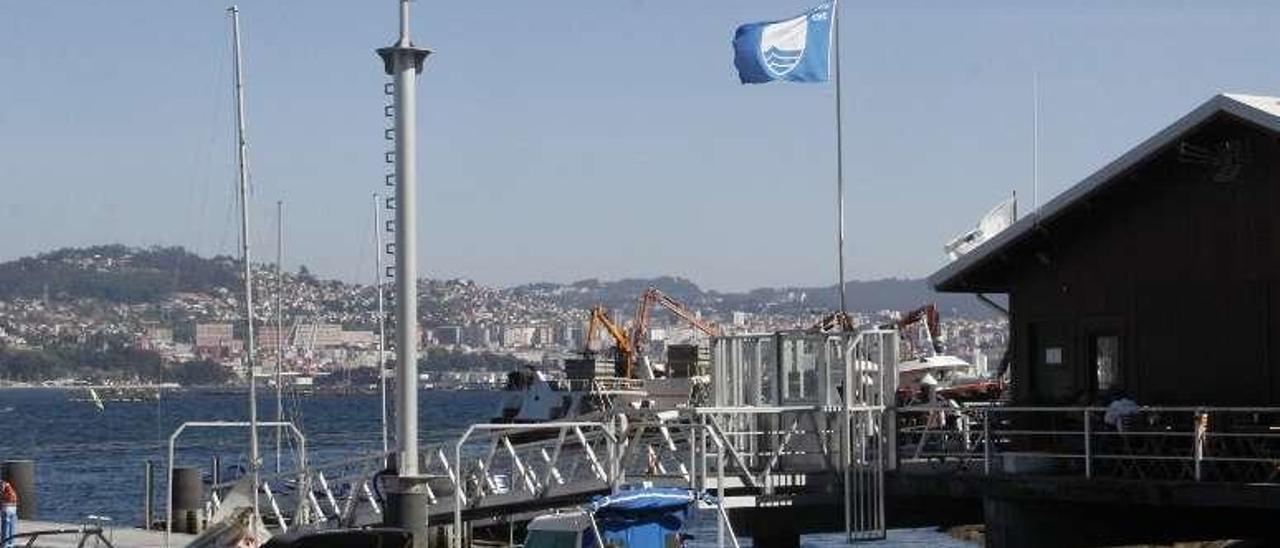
<point x="591" y="391"/>
<point x="621" y="377"/>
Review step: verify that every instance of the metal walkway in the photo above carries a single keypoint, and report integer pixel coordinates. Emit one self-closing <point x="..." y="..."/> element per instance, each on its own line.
<point x="783" y="431"/>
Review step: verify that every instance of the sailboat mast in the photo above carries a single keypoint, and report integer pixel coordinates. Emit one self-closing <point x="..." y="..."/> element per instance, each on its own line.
<point x="242" y="153"/>
<point x="279" y="330"/>
<point x="382" y="317"/>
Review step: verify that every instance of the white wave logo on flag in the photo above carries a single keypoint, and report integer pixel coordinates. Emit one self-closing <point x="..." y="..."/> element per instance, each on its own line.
<point x="782" y="45"/>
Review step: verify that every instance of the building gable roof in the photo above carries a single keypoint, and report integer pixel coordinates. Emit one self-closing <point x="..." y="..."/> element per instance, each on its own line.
<point x="1261" y="110"/>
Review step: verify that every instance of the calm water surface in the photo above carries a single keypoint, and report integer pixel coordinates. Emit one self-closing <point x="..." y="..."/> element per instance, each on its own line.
<point x="91" y="462"/>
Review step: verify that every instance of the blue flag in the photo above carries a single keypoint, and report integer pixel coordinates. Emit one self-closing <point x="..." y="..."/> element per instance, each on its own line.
<point x="794" y="50"/>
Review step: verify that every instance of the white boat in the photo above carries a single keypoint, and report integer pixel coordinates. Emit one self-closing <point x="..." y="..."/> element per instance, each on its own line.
<point x="531" y="396"/>
<point x="942" y="367"/>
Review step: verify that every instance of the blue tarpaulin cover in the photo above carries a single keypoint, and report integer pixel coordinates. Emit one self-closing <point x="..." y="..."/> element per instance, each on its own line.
<point x="643" y="518"/>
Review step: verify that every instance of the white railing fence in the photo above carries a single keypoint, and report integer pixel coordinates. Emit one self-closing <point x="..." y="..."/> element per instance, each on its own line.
<point x="1221" y="444"/>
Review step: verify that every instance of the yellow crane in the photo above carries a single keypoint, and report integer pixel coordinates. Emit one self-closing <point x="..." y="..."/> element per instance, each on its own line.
<point x="626" y="352"/>
<point x="640" y="326"/>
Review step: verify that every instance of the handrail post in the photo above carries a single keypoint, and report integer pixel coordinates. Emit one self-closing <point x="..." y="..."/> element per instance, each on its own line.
<point x="693" y="454"/>
<point x="148" y="493"/>
<point x="720" y="493"/>
<point x="456" y="538"/>
<point x="986" y="441"/>
<point x="1088" y="449"/>
<point x="1201" y="422"/>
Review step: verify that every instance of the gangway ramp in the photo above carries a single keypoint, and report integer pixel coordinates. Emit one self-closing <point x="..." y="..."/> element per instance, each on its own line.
<point x="797" y="420"/>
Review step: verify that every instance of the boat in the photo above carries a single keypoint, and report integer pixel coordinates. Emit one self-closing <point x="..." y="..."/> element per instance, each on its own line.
<point x="531" y="396"/>
<point x="622" y="377"/>
<point x="943" y="368"/>
<point x="589" y="394"/>
<point x="645" y="517"/>
<point x="952" y="377"/>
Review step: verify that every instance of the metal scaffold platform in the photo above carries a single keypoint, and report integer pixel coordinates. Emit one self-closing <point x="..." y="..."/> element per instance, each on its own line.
<point x="795" y="419"/>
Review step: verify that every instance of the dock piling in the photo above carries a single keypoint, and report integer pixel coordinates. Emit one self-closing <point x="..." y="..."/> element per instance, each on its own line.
<point x="22" y="475"/>
<point x="188" y="493"/>
<point x="148" y="492"/>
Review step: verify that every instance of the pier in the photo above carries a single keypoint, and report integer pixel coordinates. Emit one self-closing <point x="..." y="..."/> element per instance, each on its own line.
<point x="780" y="434"/>
<point x="782" y="441"/>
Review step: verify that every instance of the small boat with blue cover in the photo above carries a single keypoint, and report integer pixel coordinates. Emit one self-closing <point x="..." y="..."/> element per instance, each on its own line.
<point x="648" y="517"/>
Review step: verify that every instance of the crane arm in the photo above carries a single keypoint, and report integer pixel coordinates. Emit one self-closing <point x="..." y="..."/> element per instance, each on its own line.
<point x="600" y="318"/>
<point x="640" y="326"/>
<point x="929" y="315"/>
<point x="683" y="312"/>
<point x="592" y="326"/>
<point x="652" y="296"/>
<point x="619" y="336"/>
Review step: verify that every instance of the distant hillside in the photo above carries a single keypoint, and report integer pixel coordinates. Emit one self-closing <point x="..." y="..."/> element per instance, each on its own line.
<point x="886" y="294"/>
<point x="115" y="273"/>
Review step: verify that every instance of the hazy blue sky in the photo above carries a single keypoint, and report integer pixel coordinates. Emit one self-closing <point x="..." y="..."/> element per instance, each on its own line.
<point x="565" y="139"/>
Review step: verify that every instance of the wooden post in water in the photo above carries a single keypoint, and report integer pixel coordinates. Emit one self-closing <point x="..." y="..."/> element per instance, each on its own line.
<point x="148" y="492"/>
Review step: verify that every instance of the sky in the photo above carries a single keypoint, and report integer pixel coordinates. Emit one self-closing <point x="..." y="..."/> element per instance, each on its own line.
<point x="571" y="139"/>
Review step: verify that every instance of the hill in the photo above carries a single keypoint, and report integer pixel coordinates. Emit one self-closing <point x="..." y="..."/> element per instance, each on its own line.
<point x="872" y="295"/>
<point x="126" y="275"/>
<point x="114" y="273"/>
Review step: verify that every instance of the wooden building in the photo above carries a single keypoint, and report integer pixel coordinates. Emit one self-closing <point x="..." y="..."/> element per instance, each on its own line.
<point x="1157" y="277"/>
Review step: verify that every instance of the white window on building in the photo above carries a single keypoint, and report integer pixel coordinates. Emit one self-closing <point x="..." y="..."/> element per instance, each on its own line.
<point x="1106" y="357"/>
<point x="1053" y="355"/>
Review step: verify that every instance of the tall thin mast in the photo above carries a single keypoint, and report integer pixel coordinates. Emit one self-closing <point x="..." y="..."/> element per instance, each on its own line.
<point x="1035" y="144"/>
<point x="279" y="330"/>
<point x="835" y="30"/>
<point x="242" y="157"/>
<point x="382" y="317"/>
<point x="407" y="500"/>
<point x="406" y="252"/>
<point x="404" y="62"/>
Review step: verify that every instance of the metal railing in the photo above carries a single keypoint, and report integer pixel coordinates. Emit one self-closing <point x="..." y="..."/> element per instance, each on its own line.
<point x="737" y="454"/>
<point x="173" y="438"/>
<point x="603" y="384"/>
<point x="1221" y="444"/>
<point x="795" y="413"/>
<point x="85" y="532"/>
<point x="531" y="469"/>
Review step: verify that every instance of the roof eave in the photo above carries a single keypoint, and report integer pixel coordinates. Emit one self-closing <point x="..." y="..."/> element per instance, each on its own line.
<point x="1264" y="111"/>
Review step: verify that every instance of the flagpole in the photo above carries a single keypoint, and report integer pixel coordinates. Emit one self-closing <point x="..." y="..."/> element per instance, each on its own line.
<point x="835" y="24"/>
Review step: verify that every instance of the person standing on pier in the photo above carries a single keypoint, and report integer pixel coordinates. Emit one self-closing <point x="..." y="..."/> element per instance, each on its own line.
<point x="8" y="513"/>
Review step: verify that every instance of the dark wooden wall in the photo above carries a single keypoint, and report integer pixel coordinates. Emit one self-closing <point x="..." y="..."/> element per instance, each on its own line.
<point x="1183" y="268"/>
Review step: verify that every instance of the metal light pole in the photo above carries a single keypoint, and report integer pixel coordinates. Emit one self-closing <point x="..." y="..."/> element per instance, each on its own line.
<point x="407" y="499"/>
